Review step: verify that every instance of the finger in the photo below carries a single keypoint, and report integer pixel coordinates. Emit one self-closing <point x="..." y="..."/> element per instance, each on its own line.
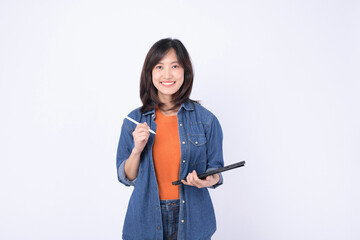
<point x="140" y="128"/>
<point x="192" y="175"/>
<point x="185" y="182"/>
<point x="194" y="179"/>
<point x="143" y="126"/>
<point x="195" y="176"/>
<point x="141" y="133"/>
<point x="140" y="136"/>
<point x="141" y="139"/>
<point x="203" y="182"/>
<point x="145" y="138"/>
<point x="188" y="178"/>
<point x="197" y="181"/>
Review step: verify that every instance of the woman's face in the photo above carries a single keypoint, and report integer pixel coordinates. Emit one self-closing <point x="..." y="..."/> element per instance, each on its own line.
<point x="168" y="76"/>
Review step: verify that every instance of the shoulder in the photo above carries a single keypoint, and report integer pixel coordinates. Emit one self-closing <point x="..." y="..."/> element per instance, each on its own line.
<point x="208" y="120"/>
<point x="203" y="113"/>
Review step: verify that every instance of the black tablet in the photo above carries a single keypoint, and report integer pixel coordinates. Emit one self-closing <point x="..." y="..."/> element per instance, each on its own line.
<point x="218" y="170"/>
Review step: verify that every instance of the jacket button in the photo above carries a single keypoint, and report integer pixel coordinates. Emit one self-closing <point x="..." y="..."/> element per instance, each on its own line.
<point x="180" y="124"/>
<point x="182" y="220"/>
<point x="184" y="161"/>
<point x="158" y="227"/>
<point x="196" y="142"/>
<point x="183" y="142"/>
<point x="183" y="201"/>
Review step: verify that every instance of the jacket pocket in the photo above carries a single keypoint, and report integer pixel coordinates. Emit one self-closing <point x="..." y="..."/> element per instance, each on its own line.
<point x="197" y="140"/>
<point x="197" y="151"/>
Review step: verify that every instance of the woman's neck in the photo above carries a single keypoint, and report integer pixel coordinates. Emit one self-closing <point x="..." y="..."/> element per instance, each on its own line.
<point x="167" y="105"/>
<point x="165" y="110"/>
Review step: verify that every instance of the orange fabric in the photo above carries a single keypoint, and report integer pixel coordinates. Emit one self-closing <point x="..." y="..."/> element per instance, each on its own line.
<point x="166" y="155"/>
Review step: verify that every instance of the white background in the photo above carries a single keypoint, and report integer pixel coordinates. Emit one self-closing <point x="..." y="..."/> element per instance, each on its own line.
<point x="282" y="77"/>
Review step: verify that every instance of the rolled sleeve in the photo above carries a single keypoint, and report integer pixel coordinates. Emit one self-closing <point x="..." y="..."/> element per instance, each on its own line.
<point x="123" y="152"/>
<point x="221" y="180"/>
<point x="122" y="177"/>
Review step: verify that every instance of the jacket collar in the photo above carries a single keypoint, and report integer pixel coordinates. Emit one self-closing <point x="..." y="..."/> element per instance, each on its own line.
<point x="152" y="111"/>
<point x="188" y="106"/>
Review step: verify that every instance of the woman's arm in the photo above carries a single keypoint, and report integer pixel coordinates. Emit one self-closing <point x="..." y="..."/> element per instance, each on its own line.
<point x="141" y="136"/>
<point x="132" y="165"/>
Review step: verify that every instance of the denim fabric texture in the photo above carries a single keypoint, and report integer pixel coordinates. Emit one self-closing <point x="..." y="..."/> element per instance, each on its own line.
<point x="170" y="218"/>
<point x="201" y="150"/>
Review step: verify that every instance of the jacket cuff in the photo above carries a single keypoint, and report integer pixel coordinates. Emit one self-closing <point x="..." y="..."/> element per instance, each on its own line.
<point x="122" y="177"/>
<point x="220" y="182"/>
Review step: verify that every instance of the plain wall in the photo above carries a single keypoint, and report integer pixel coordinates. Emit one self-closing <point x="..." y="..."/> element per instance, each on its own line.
<point x="281" y="76"/>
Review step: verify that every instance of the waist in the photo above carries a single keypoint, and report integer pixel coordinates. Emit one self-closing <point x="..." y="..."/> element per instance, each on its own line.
<point x="170" y="204"/>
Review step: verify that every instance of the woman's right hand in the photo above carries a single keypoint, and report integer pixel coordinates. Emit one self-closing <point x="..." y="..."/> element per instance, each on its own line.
<point x="141" y="136"/>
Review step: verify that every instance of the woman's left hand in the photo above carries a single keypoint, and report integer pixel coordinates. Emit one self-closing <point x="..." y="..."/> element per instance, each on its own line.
<point x="192" y="179"/>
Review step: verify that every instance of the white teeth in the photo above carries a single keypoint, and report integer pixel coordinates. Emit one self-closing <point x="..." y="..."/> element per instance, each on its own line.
<point x="168" y="84"/>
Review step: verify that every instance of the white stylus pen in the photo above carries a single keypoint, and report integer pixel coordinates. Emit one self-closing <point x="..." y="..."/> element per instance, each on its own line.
<point x="132" y="120"/>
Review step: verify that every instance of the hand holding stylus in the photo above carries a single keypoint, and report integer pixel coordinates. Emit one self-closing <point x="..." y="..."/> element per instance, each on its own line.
<point x="141" y="136"/>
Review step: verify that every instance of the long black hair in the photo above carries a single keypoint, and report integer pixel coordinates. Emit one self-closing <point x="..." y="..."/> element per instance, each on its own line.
<point x="148" y="92"/>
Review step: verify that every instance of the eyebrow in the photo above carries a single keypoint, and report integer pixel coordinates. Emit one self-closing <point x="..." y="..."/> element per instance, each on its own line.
<point x="170" y="63"/>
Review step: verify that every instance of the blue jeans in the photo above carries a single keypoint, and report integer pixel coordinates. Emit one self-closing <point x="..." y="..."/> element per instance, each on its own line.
<point x="170" y="218"/>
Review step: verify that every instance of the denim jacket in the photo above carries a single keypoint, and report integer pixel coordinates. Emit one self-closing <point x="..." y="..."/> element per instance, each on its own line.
<point x="201" y="150"/>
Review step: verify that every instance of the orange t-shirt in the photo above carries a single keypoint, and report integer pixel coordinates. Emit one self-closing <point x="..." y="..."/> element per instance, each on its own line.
<point x="166" y="155"/>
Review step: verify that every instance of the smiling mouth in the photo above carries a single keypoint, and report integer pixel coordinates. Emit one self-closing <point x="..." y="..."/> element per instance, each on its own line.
<point x="169" y="83"/>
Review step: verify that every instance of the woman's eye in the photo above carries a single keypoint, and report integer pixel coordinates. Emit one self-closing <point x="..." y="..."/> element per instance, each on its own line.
<point x="176" y="66"/>
<point x="158" y="67"/>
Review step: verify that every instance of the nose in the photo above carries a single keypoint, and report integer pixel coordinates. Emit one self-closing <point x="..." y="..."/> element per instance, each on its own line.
<point x="167" y="73"/>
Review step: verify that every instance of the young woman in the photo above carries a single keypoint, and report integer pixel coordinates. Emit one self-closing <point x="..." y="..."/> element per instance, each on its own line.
<point x="188" y="141"/>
